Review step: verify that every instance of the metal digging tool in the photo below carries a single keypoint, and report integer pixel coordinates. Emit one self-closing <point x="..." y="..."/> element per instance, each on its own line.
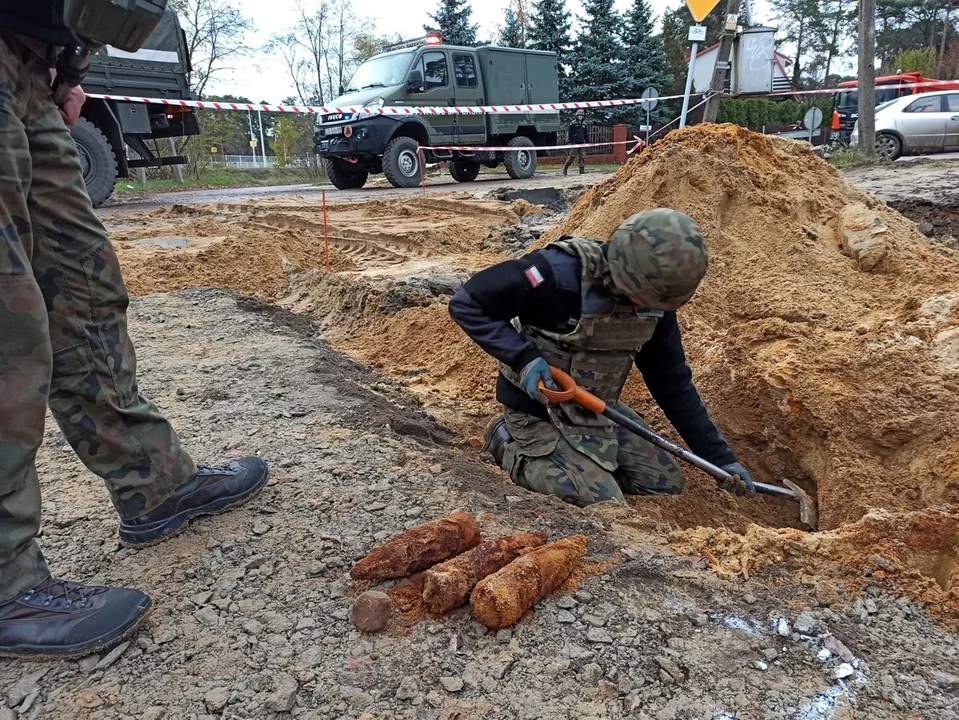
<point x="571" y="392"/>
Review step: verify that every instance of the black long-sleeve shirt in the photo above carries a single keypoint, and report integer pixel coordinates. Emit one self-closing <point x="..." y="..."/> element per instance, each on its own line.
<point x="543" y="289"/>
<point x="578" y="133"/>
<point x="38" y="19"/>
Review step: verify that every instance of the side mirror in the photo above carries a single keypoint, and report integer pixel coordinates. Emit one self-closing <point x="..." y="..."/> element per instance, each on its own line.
<point x="416" y="83"/>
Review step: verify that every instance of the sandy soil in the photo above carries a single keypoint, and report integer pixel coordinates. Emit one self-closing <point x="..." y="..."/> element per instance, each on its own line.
<point x="834" y="366"/>
<point x="253" y="607"/>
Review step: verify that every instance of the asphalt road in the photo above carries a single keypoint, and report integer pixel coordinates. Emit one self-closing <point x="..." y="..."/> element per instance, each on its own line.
<point x="379" y="190"/>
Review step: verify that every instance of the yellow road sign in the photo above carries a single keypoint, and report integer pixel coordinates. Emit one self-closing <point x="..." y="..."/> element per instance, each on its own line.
<point x="701" y="8"/>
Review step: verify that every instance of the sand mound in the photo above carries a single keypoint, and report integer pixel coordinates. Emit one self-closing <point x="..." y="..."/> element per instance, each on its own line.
<point x="825" y="338"/>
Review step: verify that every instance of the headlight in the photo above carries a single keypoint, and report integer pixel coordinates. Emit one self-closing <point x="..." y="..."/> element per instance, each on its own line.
<point x="375" y="103"/>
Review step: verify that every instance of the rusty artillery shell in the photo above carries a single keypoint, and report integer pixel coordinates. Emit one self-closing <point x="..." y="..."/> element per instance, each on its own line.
<point x="419" y="548"/>
<point x="449" y="584"/>
<point x="504" y="597"/>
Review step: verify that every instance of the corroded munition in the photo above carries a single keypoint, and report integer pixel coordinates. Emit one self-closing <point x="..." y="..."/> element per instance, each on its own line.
<point x="501" y="599"/>
<point x="419" y="548"/>
<point x="448" y="585"/>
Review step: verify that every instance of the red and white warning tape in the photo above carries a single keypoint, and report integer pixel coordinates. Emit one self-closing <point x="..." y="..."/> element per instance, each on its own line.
<point x="942" y="84"/>
<point x="388" y="110"/>
<point x="481" y="148"/>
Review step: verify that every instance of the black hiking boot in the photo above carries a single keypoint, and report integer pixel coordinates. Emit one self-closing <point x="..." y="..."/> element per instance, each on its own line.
<point x="497" y="439"/>
<point x="213" y="490"/>
<point x="59" y="620"/>
<point x="582" y="171"/>
<point x="565" y="171"/>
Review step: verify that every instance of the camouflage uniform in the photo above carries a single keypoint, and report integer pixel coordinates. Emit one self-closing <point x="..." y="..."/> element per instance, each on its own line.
<point x="578" y="455"/>
<point x="63" y="334"/>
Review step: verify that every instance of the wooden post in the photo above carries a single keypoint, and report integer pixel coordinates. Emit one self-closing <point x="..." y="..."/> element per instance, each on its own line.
<point x="718" y="81"/>
<point x="867" y="78"/>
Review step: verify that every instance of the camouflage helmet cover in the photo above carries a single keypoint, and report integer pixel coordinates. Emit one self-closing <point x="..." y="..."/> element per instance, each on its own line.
<point x="658" y="257"/>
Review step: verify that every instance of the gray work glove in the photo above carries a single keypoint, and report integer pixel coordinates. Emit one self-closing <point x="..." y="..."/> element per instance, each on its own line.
<point x="741" y="483"/>
<point x="530" y="376"/>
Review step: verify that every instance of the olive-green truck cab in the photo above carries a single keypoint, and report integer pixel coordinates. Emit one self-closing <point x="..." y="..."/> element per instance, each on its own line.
<point x="353" y="146"/>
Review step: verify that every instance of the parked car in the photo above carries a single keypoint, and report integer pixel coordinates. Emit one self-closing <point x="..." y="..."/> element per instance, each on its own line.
<point x="927" y="123"/>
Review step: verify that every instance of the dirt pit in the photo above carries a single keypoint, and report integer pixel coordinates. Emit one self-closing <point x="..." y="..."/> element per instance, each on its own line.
<point x="939" y="220"/>
<point x="825" y="339"/>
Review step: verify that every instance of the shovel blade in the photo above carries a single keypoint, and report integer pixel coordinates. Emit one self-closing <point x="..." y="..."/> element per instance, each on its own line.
<point x="808" y="513"/>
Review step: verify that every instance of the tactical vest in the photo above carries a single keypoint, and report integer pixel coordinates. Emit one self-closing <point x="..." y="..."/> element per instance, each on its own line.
<point x="599" y="352"/>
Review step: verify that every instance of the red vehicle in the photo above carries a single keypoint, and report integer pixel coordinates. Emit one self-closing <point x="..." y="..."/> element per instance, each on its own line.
<point x="888" y="87"/>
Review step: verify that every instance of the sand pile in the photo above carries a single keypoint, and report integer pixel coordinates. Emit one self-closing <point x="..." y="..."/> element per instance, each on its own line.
<point x="825" y="338"/>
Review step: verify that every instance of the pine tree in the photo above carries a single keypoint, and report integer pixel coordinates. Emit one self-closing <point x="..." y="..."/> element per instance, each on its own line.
<point x="452" y="21"/>
<point x="597" y="58"/>
<point x="549" y="30"/>
<point x="513" y="33"/>
<point x="646" y="64"/>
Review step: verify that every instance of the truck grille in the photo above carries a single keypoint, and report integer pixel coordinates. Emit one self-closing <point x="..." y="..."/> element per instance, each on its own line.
<point x="336" y="117"/>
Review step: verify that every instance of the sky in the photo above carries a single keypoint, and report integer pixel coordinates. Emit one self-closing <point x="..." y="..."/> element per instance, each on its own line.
<point x="261" y="77"/>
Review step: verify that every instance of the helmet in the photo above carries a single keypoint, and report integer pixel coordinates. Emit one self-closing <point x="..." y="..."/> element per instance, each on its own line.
<point x="657" y="258"/>
<point x="580" y="113"/>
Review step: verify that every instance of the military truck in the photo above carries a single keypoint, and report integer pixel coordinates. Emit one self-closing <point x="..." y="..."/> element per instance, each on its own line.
<point x="106" y="128"/>
<point x="354" y="146"/>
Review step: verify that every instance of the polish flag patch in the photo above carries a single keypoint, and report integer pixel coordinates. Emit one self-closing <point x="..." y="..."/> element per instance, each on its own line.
<point x="534" y="276"/>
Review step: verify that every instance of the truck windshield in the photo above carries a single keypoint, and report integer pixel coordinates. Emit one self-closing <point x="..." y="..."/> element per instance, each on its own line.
<point x="383" y="71"/>
<point x="850" y="98"/>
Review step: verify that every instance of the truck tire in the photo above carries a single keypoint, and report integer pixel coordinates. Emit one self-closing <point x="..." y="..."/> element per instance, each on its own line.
<point x="520" y="165"/>
<point x="343" y="176"/>
<point x="401" y="163"/>
<point x="96" y="159"/>
<point x="464" y="171"/>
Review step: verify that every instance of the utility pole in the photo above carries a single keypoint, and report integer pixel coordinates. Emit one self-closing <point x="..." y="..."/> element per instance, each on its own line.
<point x="718" y="81"/>
<point x="867" y="78"/>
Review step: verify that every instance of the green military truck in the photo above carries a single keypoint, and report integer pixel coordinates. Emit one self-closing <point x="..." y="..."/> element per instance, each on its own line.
<point x="355" y="146"/>
<point x="107" y="128"/>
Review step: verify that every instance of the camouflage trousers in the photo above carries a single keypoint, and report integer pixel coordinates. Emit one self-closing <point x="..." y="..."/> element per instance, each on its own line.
<point x="63" y="331"/>
<point x="543" y="460"/>
<point x="574" y="154"/>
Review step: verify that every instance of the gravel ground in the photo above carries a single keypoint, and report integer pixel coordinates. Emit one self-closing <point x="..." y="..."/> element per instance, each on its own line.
<point x="252" y="617"/>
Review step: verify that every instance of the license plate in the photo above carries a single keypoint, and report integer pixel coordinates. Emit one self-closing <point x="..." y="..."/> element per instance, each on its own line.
<point x="333" y="131"/>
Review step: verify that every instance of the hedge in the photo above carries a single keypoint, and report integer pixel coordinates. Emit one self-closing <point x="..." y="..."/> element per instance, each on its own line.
<point x="759" y="113"/>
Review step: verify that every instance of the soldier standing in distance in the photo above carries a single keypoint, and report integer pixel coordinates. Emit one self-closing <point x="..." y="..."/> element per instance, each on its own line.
<point x="64" y="345"/>
<point x="594" y="309"/>
<point x="578" y="135"/>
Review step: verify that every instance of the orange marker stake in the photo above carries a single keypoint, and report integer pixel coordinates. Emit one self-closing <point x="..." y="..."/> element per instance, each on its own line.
<point x="326" y="235"/>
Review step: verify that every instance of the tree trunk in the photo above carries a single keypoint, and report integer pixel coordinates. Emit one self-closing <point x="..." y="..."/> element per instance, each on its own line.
<point x="945" y="34"/>
<point x="797" y="65"/>
<point x="718" y="81"/>
<point x="833" y="44"/>
<point x="867" y="77"/>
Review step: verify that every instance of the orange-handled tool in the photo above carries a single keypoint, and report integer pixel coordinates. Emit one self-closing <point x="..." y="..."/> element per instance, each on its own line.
<point x="571" y="392"/>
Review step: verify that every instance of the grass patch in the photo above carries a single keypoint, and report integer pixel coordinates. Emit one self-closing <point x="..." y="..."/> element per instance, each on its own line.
<point x="221" y="177"/>
<point x="843" y="157"/>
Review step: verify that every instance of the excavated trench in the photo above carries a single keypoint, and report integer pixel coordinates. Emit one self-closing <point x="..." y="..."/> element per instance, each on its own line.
<point x="825" y="340"/>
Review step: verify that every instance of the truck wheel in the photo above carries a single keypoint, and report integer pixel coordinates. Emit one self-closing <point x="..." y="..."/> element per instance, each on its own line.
<point x="345" y="176"/>
<point x="401" y="163"/>
<point x="464" y="171"/>
<point x="522" y="164"/>
<point x="96" y="159"/>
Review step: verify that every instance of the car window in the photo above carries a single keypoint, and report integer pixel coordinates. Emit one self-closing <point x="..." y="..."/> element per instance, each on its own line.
<point x="924" y="105"/>
<point x="952" y="103"/>
<point x="465" y="69"/>
<point x="435" y="70"/>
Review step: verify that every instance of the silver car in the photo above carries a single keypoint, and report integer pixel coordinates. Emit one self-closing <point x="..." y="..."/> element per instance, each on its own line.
<point x="927" y="123"/>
